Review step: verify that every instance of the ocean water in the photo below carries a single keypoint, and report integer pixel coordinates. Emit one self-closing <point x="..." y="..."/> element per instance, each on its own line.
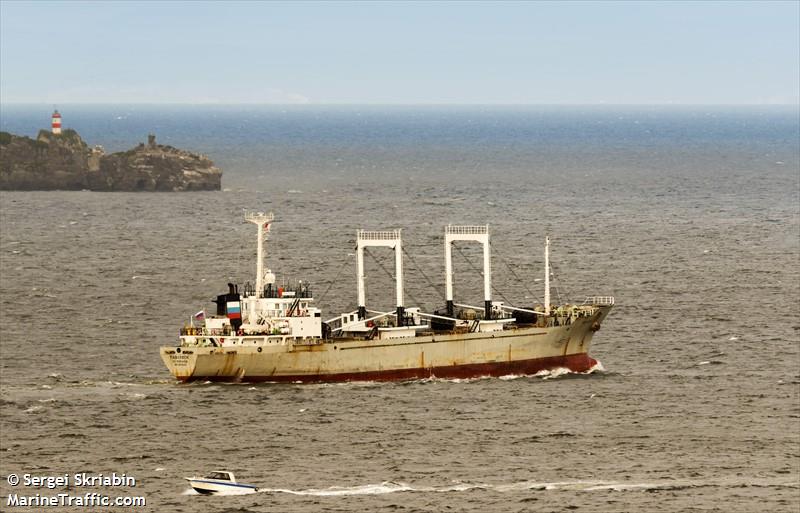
<point x="690" y="217"/>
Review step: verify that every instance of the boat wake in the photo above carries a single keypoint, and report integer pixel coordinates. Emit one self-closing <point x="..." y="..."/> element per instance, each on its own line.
<point x="597" y="368"/>
<point x="387" y="487"/>
<point x="369" y="489"/>
<point x="558" y="372"/>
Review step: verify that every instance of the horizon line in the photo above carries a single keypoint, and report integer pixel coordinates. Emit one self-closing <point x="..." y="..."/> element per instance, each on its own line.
<point x="421" y="104"/>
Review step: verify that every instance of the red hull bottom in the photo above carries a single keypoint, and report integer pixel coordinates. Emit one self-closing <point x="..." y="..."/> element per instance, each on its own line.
<point x="575" y="363"/>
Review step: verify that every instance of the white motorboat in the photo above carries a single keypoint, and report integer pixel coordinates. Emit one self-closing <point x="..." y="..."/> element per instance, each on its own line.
<point x="220" y="481"/>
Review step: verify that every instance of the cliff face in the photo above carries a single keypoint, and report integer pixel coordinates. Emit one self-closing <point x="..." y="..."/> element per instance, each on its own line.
<point x="154" y="167"/>
<point x="65" y="162"/>
<point x="47" y="162"/>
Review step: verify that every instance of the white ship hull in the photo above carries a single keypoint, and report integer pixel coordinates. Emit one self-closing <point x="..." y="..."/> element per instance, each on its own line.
<point x="514" y="350"/>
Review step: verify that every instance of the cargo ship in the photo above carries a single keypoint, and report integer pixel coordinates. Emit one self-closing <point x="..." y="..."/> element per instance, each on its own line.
<point x="263" y="332"/>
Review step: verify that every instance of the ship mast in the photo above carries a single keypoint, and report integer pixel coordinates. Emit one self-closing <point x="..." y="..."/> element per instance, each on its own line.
<point x="547" y="275"/>
<point x="387" y="239"/>
<point x="263" y="221"/>
<point x="475" y="234"/>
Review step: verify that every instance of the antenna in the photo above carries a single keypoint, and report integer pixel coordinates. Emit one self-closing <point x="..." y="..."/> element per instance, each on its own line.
<point x="547" y="275"/>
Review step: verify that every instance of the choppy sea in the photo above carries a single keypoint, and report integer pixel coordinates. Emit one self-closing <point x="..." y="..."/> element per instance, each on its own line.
<point x="689" y="216"/>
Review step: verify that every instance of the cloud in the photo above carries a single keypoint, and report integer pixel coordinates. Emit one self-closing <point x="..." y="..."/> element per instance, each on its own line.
<point x="150" y="93"/>
<point x="297" y="98"/>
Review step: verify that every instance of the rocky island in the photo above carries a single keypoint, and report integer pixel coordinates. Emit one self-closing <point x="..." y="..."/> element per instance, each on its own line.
<point x="61" y="160"/>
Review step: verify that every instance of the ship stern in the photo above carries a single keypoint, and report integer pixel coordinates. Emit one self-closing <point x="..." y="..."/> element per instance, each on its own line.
<point x="181" y="362"/>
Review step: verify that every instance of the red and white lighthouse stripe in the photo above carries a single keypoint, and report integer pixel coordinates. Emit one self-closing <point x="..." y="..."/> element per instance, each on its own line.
<point x="56" y="122"/>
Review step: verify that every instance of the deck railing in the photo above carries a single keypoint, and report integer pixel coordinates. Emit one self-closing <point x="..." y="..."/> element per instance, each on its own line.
<point x="599" y="300"/>
<point x="379" y="235"/>
<point x="467" y="230"/>
<point x="258" y="216"/>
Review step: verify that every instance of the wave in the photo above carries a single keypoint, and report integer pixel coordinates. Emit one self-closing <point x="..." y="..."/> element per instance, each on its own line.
<point x="59" y="380"/>
<point x="136" y="396"/>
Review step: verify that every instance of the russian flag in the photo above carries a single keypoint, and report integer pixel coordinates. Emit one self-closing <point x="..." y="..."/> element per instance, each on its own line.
<point x="200" y="315"/>
<point x="234" y="310"/>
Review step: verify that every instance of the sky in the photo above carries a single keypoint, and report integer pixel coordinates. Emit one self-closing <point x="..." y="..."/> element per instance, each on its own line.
<point x="400" y="52"/>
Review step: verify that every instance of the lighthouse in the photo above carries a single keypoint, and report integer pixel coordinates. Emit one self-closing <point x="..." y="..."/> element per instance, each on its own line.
<point x="56" y="122"/>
